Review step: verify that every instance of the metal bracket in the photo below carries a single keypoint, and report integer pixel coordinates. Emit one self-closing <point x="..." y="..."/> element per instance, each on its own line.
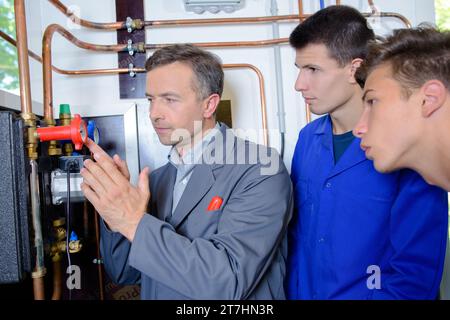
<point x="131" y="72"/>
<point x="129" y="24"/>
<point x="130" y="47"/>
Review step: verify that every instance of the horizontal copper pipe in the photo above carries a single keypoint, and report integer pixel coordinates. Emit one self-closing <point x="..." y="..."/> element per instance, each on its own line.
<point x="122" y="24"/>
<point x="161" y="23"/>
<point x="258" y="43"/>
<point x="32" y="54"/>
<point x="47" y="61"/>
<point x="217" y="21"/>
<point x="85" y="23"/>
<point x="98" y="71"/>
<point x="70" y="72"/>
<point x="225" y="66"/>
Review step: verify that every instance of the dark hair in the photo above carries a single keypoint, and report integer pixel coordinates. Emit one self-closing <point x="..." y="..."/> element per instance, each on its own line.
<point x="415" y="56"/>
<point x="342" y="29"/>
<point x="205" y="65"/>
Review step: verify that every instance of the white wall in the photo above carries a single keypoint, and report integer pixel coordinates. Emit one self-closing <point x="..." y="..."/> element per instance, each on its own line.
<point x="100" y="94"/>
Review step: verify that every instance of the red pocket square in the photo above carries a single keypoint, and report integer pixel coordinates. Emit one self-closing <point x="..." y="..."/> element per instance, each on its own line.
<point x="215" y="203"/>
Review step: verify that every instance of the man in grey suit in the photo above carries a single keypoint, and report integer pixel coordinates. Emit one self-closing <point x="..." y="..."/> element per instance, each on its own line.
<point x="215" y="226"/>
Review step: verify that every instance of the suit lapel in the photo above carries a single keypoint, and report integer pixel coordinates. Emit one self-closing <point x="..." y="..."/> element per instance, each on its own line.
<point x="165" y="192"/>
<point x="199" y="184"/>
<point x="204" y="175"/>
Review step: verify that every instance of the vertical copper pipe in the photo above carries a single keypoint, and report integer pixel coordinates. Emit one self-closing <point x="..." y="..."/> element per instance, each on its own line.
<point x="38" y="288"/>
<point x="57" y="280"/>
<point x="338" y="2"/>
<point x="47" y="75"/>
<point x="262" y="92"/>
<point x="22" y="54"/>
<point x="300" y="10"/>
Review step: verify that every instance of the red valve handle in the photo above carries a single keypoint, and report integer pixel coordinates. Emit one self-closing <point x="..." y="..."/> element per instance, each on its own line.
<point x="76" y="131"/>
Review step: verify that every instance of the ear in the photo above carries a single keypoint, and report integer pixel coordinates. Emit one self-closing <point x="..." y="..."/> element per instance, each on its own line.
<point x="434" y="95"/>
<point x="210" y="106"/>
<point x="354" y="65"/>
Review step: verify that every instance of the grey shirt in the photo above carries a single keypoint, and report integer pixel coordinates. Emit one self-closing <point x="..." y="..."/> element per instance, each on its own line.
<point x="187" y="163"/>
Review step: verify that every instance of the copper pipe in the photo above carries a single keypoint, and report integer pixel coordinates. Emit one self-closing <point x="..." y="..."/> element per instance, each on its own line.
<point x="405" y="21"/>
<point x="22" y="56"/>
<point x="86" y="23"/>
<point x="338" y="2"/>
<point x="300" y="10"/>
<point x="99" y="265"/>
<point x="57" y="280"/>
<point x="47" y="61"/>
<point x="38" y="288"/>
<point x="258" y="43"/>
<point x="98" y="71"/>
<point x="262" y="92"/>
<point x="161" y="23"/>
<point x="372" y="7"/>
<point x="32" y="54"/>
<point x="216" y="21"/>
<point x="14" y="43"/>
<point x="68" y="72"/>
<point x="225" y="66"/>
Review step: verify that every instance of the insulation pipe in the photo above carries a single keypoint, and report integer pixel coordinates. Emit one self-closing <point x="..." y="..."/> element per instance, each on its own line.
<point x="39" y="269"/>
<point x="279" y="78"/>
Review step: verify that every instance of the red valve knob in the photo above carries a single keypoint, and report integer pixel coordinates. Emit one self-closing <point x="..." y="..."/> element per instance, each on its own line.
<point x="77" y="132"/>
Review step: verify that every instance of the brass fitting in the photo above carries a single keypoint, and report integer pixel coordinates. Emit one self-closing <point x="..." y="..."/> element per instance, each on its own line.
<point x="59" y="246"/>
<point x="53" y="149"/>
<point x="65" y="120"/>
<point x="57" y="249"/>
<point x="137" y="24"/>
<point x="31" y="141"/>
<point x="140" y="47"/>
<point x="59" y="230"/>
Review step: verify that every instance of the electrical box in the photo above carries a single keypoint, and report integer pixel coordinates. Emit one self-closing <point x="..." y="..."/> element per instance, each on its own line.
<point x="14" y="230"/>
<point x="213" y="6"/>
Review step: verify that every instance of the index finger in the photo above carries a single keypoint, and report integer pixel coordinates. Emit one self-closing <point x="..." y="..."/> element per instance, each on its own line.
<point x="96" y="149"/>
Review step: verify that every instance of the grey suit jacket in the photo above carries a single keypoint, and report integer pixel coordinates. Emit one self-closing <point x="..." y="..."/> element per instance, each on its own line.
<point x="235" y="252"/>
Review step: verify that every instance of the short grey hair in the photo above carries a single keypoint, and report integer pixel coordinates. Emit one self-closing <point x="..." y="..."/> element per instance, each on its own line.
<point x="206" y="66"/>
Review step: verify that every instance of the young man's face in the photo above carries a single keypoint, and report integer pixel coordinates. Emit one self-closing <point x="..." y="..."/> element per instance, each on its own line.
<point x="324" y="84"/>
<point x="390" y="125"/>
<point x="174" y="103"/>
